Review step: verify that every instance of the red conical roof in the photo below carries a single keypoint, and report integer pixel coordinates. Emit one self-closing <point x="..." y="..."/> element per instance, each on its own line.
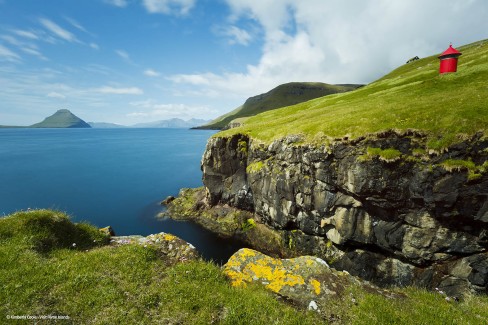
<point x="450" y="51"/>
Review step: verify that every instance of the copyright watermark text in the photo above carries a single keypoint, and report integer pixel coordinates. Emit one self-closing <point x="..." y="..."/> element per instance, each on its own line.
<point x="37" y="317"/>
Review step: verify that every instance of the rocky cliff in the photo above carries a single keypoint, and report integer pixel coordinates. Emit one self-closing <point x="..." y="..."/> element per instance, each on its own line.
<point x="381" y="207"/>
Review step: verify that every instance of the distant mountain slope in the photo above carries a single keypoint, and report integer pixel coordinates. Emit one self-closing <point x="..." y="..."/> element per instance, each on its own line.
<point x="63" y="118"/>
<point x="104" y="125"/>
<point x="174" y="123"/>
<point x="281" y="96"/>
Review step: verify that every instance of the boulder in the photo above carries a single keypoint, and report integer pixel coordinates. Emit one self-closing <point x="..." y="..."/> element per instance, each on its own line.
<point x="173" y="249"/>
<point x="109" y="231"/>
<point x="306" y="280"/>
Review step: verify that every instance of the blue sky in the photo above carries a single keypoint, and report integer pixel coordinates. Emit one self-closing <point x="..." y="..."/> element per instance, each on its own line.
<point x="132" y="61"/>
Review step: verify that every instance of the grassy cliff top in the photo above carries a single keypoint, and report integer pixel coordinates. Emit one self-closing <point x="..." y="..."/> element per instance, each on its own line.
<point x="51" y="266"/>
<point x="44" y="273"/>
<point x="281" y="96"/>
<point x="415" y="96"/>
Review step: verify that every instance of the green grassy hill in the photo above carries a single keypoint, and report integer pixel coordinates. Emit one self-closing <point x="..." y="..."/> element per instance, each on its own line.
<point x="446" y="107"/>
<point x="281" y="96"/>
<point x="51" y="266"/>
<point x="63" y="118"/>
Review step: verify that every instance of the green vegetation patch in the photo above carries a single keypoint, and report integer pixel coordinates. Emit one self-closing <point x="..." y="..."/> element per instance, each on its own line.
<point x="419" y="307"/>
<point x="255" y="167"/>
<point x="242" y="146"/>
<point x="413" y="97"/>
<point x="44" y="230"/>
<point x="388" y="155"/>
<point x="474" y="172"/>
<point x="248" y="224"/>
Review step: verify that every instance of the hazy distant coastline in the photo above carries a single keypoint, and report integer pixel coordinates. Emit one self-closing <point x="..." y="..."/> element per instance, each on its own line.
<point x="63" y="118"/>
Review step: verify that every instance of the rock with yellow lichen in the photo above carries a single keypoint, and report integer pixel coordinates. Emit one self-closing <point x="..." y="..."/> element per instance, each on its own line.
<point x="173" y="249"/>
<point x="107" y="231"/>
<point x="302" y="280"/>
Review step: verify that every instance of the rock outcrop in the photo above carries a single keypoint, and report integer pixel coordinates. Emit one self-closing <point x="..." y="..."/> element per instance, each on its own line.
<point x="381" y="207"/>
<point x="173" y="249"/>
<point x="306" y="280"/>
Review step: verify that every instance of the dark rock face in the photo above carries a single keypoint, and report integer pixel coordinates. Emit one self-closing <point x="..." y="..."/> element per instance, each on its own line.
<point x="392" y="221"/>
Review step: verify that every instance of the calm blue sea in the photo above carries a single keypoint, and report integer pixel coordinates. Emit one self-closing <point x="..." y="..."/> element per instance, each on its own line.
<point x="113" y="177"/>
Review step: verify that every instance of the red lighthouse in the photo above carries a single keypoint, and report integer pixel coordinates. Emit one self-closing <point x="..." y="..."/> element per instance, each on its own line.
<point x="449" y="60"/>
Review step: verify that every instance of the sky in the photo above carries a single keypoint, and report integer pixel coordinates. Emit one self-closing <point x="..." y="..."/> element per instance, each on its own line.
<point x="134" y="61"/>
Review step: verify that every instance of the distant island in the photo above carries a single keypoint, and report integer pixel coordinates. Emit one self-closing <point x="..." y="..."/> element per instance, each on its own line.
<point x="174" y="123"/>
<point x="63" y="118"/>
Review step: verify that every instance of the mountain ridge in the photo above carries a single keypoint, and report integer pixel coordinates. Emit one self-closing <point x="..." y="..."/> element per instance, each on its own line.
<point x="281" y="96"/>
<point x="171" y="123"/>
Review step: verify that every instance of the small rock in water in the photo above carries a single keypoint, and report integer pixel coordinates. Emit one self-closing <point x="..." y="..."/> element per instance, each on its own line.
<point x="168" y="200"/>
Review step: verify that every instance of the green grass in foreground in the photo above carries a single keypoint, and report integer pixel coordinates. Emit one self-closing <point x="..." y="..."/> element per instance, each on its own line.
<point x="447" y="107"/>
<point x="42" y="273"/>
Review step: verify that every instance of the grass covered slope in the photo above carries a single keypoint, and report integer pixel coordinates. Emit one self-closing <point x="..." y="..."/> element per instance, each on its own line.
<point x="63" y="118"/>
<point x="447" y="107"/>
<point x="43" y="273"/>
<point x="281" y="96"/>
<point x="91" y="282"/>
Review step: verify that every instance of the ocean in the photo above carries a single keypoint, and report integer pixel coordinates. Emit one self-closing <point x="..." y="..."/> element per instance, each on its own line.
<point x="113" y="177"/>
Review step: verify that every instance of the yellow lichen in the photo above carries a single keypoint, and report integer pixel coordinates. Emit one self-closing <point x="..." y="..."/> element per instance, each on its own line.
<point x="264" y="269"/>
<point x="316" y="286"/>
<point x="277" y="277"/>
<point x="169" y="237"/>
<point x="246" y="252"/>
<point x="309" y="262"/>
<point x="237" y="279"/>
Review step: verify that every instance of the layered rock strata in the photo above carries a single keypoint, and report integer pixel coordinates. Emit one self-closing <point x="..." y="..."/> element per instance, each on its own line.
<point x="381" y="207"/>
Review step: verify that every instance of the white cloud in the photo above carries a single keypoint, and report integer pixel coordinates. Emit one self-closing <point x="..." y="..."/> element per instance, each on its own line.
<point x="194" y="79"/>
<point x="12" y="40"/>
<point x="331" y="41"/>
<point x="94" y="46"/>
<point x="8" y="55"/>
<point x="123" y="54"/>
<point x="117" y="3"/>
<point x="55" y="95"/>
<point x="238" y="35"/>
<point x="169" y="6"/>
<point x="34" y="52"/>
<point x="58" y="30"/>
<point x="120" y="91"/>
<point x="75" y="24"/>
<point x="150" y="109"/>
<point x="151" y="73"/>
<point x="26" y="34"/>
<point x="26" y="47"/>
